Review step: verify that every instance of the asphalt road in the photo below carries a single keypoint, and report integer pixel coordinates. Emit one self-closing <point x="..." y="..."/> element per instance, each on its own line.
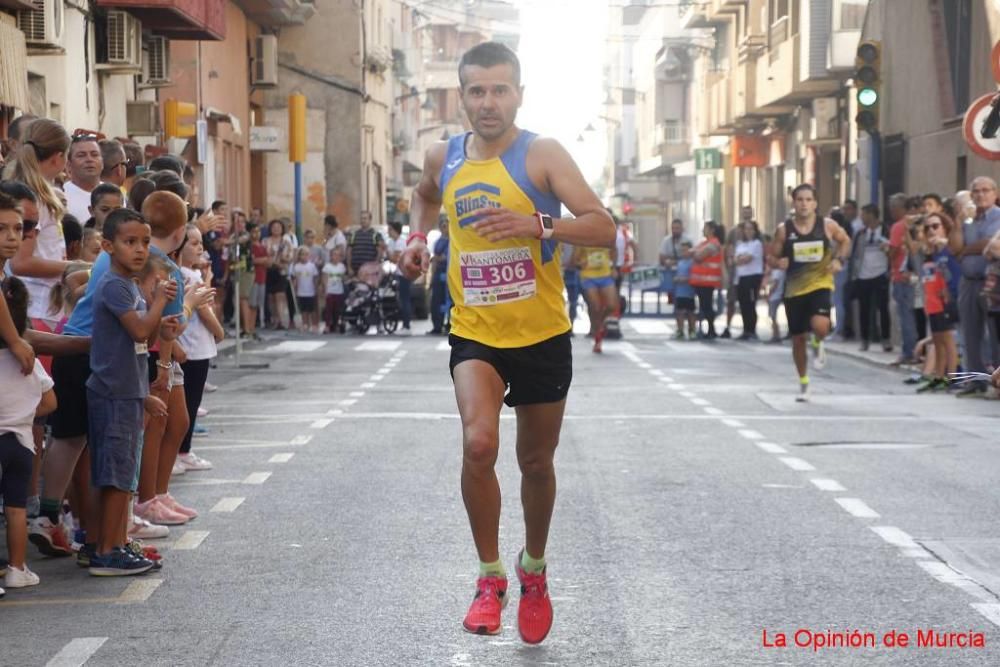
<point x="699" y="507"/>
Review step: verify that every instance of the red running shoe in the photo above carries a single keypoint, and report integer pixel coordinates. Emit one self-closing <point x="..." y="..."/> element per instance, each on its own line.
<point x="598" y="339"/>
<point x="484" y="613"/>
<point x="534" y="612"/>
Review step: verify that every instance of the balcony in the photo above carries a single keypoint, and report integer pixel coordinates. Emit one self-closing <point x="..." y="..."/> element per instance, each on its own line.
<point x="744" y="78"/>
<point x="276" y="13"/>
<point x="693" y="14"/>
<point x="671" y="145"/>
<point x="720" y="115"/>
<point x="784" y="81"/>
<point x="177" y="19"/>
<point x="722" y="10"/>
<point x="17" y="4"/>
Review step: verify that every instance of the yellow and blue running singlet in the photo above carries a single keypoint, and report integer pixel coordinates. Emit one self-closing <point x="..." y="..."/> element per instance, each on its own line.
<point x="509" y="293"/>
<point x="598" y="263"/>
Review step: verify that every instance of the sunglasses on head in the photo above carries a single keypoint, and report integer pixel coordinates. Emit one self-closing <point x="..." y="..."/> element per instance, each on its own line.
<point x="83" y="137"/>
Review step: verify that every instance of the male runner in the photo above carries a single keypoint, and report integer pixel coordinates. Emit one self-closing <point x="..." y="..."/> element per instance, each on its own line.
<point x="804" y="245"/>
<point x="502" y="190"/>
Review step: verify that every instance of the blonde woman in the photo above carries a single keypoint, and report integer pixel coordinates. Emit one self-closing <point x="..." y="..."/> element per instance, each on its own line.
<point x="42" y="258"/>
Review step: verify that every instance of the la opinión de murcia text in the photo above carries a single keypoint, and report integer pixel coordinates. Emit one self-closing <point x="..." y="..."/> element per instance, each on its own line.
<point x="829" y="639"/>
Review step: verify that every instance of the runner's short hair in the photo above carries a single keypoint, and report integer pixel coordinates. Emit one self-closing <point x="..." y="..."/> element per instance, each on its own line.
<point x="490" y="54"/>
<point x="800" y="188"/>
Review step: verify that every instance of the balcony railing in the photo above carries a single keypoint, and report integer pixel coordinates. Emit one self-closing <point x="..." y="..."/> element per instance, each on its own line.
<point x="672" y="132"/>
<point x="778" y="33"/>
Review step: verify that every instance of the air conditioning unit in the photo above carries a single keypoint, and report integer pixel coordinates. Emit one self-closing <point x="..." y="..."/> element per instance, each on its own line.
<point x="155" y="62"/>
<point x="265" y="62"/>
<point x="42" y="25"/>
<point x="122" y="50"/>
<point x="141" y="118"/>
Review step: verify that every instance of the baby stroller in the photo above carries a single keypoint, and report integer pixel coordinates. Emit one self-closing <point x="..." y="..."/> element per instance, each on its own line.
<point x="372" y="299"/>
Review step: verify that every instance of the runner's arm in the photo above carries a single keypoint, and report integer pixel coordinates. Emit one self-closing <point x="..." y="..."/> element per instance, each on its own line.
<point x="843" y="241"/>
<point x="777" y="247"/>
<point x="425" y="206"/>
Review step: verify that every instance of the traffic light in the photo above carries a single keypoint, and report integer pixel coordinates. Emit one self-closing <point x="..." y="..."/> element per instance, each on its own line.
<point x="173" y="113"/>
<point x="868" y="81"/>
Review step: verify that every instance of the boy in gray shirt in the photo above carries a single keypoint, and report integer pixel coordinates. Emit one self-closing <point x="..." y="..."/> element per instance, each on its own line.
<point x="118" y="387"/>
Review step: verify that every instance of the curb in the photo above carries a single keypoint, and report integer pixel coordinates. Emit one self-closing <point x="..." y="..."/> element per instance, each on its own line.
<point x="902" y="370"/>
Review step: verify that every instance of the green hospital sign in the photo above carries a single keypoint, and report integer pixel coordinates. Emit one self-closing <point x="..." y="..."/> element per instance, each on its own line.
<point x="707" y="159"/>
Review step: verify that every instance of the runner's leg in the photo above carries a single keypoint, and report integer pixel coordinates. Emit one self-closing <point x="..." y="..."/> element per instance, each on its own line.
<point x="538" y="429"/>
<point x="799" y="354"/>
<point x="479" y="392"/>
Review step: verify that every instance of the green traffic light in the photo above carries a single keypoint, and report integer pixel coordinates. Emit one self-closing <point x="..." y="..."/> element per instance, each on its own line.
<point x="867" y="97"/>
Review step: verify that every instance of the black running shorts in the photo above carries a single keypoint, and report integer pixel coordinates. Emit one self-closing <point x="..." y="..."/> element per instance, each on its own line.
<point x="799" y="310"/>
<point x="539" y="373"/>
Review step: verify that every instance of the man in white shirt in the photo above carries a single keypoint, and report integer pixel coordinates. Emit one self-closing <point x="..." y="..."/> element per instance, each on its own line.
<point x="870" y="277"/>
<point x="334" y="237"/>
<point x="85" y="165"/>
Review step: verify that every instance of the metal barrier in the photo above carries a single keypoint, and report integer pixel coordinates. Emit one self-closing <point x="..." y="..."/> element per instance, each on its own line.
<point x="643" y="280"/>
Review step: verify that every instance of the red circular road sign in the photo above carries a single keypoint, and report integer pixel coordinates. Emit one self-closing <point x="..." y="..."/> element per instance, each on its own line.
<point x="978" y="110"/>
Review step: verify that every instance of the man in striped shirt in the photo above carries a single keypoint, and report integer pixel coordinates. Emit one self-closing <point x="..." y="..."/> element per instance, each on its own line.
<point x="364" y="245"/>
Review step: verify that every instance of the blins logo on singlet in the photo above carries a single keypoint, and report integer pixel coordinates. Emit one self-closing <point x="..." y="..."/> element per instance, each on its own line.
<point x="473" y="198"/>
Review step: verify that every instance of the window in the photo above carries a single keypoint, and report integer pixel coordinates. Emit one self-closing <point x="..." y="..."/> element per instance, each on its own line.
<point x="720" y="53"/>
<point x="958" y="28"/>
<point x="777" y="10"/>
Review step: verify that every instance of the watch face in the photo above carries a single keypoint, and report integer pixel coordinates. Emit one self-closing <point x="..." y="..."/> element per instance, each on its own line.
<point x="547" y="222"/>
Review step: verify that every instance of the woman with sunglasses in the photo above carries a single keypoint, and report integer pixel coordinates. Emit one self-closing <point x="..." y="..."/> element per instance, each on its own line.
<point x="939" y="276"/>
<point x="41" y="260"/>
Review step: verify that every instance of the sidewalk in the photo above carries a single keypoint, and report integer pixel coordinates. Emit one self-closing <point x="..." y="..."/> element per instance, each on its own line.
<point x="874" y="356"/>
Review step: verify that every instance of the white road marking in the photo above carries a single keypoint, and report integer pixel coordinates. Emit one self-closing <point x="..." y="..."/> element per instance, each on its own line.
<point x="770" y="447"/>
<point x="782" y="486"/>
<point x="333" y="413"/>
<point x="716" y="412"/>
<point x="872" y="445"/>
<point x="796" y="463"/>
<point x="297" y="346"/>
<point x="857" y="507"/>
<point x="192" y="539"/>
<point x="377" y="377"/>
<point x="895" y="537"/>
<point x="258" y="445"/>
<point x="301" y="440"/>
<point x="990" y="610"/>
<point x="378" y="346"/>
<point x="649" y="327"/>
<point x="321" y="423"/>
<point x="77" y="652"/>
<point x="643" y="365"/>
<point x="828" y="485"/>
<point x="701" y="402"/>
<point x="631" y="355"/>
<point x="687" y="394"/>
<point x="677" y="387"/>
<point x="664" y="378"/>
<point x="367" y="385"/>
<point x="256" y="478"/>
<point x="750" y="434"/>
<point x="655" y="371"/>
<point x="348" y="401"/>
<point x="139" y="590"/>
<point x="228" y="504"/>
<point x="281" y="458"/>
<point x="735" y="423"/>
<point x="357" y="394"/>
<point x="618" y="346"/>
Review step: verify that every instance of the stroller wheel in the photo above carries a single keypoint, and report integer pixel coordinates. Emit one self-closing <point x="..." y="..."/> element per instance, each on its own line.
<point x="390" y="324"/>
<point x="361" y="327"/>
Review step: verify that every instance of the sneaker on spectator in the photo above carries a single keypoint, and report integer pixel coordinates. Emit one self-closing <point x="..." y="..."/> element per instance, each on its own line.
<point x="178" y="469"/>
<point x="144" y="530"/>
<point x="3" y="566"/>
<point x="405" y="331"/>
<point x="156" y="512"/>
<point x="192" y="461"/>
<point x="209" y="388"/>
<point x="138" y="549"/>
<point x="50" y="538"/>
<point x="171" y="503"/>
<point x="16" y="578"/>
<point x="202" y="412"/>
<point x="199" y="431"/>
<point x="84" y="555"/>
<point x="118" y="563"/>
